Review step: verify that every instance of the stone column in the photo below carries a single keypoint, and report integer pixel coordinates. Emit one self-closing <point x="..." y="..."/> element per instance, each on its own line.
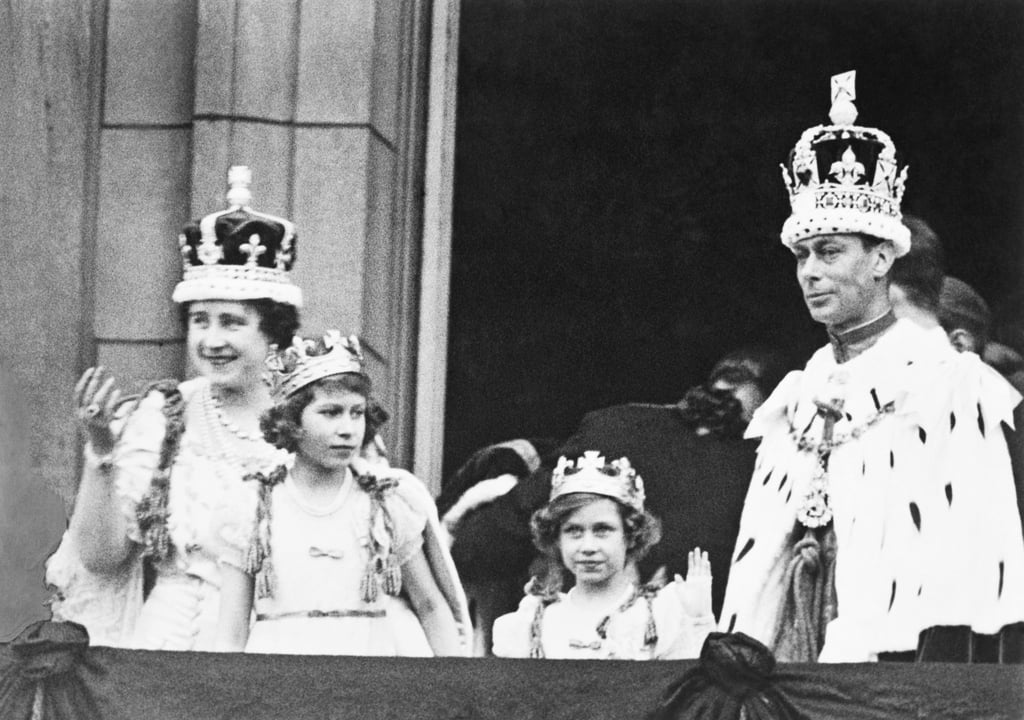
<point x="143" y="187"/>
<point x="49" y="52"/>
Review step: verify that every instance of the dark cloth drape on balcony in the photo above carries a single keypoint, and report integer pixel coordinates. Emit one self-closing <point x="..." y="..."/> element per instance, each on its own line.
<point x="60" y="679"/>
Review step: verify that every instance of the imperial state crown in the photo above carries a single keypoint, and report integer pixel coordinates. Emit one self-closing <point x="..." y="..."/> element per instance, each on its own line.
<point x="844" y="178"/>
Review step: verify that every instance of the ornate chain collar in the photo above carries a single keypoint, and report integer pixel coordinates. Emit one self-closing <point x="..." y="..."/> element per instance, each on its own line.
<point x="816" y="510"/>
<point x="823" y="447"/>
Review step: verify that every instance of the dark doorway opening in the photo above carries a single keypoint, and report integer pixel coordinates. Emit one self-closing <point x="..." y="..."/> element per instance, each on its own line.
<point x="618" y="195"/>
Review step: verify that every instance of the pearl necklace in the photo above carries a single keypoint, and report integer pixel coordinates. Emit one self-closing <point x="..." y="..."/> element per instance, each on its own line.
<point x="222" y="418"/>
<point x="224" y="441"/>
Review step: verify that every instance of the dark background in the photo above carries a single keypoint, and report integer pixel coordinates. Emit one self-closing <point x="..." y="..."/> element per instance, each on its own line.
<point x="618" y="196"/>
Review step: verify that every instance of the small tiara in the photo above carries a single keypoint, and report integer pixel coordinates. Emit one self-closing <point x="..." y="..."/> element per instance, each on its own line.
<point x="591" y="474"/>
<point x="307" y="360"/>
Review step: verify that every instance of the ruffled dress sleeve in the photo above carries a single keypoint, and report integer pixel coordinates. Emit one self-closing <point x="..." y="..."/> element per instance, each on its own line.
<point x="407" y="520"/>
<point x="511" y="633"/>
<point x="413" y="514"/>
<point x="107" y="604"/>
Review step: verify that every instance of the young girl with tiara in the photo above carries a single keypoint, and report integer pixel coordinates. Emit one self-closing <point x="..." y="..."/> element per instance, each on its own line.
<point x="333" y="540"/>
<point x="596" y="528"/>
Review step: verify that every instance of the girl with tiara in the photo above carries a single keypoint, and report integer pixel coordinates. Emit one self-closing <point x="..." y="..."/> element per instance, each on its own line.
<point x="596" y="528"/>
<point x="138" y="564"/>
<point x="333" y="539"/>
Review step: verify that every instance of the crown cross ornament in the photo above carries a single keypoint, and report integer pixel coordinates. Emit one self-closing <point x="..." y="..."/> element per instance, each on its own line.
<point x="286" y="256"/>
<point x="238" y="253"/>
<point x="307" y="360"/>
<point x="592" y="474"/>
<point x="209" y="251"/>
<point x="844" y="178"/>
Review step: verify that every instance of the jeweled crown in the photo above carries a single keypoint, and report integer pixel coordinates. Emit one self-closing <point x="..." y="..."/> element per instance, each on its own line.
<point x="843" y="178"/>
<point x="307" y="360"/>
<point x="591" y="474"/>
<point x="238" y="253"/>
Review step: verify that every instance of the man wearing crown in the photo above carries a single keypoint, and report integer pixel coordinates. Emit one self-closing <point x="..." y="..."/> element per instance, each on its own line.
<point x="881" y="519"/>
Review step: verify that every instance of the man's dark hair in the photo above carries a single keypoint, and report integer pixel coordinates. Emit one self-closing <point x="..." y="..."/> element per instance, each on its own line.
<point x="920" y="272"/>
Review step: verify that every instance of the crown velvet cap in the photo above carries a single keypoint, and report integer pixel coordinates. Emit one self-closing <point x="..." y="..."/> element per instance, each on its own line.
<point x="591" y="474"/>
<point x="238" y="253"/>
<point x="307" y="360"/>
<point x="843" y="178"/>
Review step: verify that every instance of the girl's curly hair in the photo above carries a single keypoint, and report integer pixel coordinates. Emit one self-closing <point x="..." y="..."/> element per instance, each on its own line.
<point x="642" y="531"/>
<point x="282" y="423"/>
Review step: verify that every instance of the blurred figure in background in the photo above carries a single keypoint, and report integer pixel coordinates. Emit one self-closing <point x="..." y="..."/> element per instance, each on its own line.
<point x="916" y="278"/>
<point x="964" y="316"/>
<point x="967" y="320"/>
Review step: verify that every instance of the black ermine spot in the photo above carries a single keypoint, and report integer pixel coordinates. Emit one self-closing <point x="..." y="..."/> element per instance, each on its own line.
<point x="746" y="548"/>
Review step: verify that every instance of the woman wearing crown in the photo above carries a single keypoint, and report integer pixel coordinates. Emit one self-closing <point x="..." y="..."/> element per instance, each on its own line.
<point x="163" y="471"/>
<point x="331" y="540"/>
<point x="595" y="527"/>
